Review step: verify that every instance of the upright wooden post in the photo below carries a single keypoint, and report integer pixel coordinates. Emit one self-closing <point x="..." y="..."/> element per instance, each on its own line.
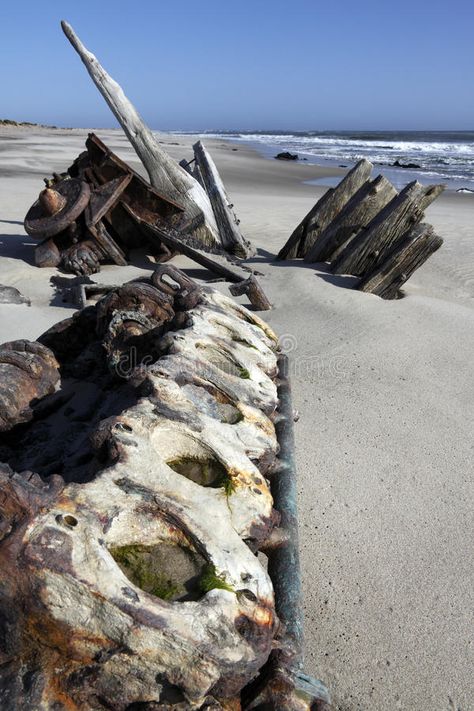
<point x="357" y="213"/>
<point x="325" y="210"/>
<point x="415" y="248"/>
<point x="371" y="246"/>
<point x="227" y="223"/>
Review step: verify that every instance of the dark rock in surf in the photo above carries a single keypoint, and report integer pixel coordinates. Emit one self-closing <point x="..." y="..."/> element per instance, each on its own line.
<point x="286" y="155"/>
<point x="397" y="164"/>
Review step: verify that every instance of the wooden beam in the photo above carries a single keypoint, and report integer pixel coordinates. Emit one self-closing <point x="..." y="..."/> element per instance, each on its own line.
<point x="371" y="197"/>
<point x="371" y="246"/>
<point x="165" y="173"/>
<point x="325" y="210"/>
<point x="172" y="239"/>
<point x="411" y="253"/>
<point x="227" y="222"/>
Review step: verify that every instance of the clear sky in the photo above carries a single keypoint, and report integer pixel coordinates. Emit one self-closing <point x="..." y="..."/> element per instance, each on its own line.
<point x="301" y="64"/>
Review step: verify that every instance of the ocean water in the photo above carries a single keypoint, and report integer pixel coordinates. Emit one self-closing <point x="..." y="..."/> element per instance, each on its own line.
<point x="440" y="156"/>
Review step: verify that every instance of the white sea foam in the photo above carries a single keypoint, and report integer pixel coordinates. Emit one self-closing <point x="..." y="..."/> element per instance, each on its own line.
<point x="444" y="156"/>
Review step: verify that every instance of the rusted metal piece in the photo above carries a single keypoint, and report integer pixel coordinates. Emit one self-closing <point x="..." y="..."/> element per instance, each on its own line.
<point x="83" y="623"/>
<point x="108" y="247"/>
<point x="51" y="201"/>
<point x="104" y="198"/>
<point x="28" y="372"/>
<point x="82" y="215"/>
<point x="254" y="291"/>
<point x="139" y="195"/>
<point x="82" y="258"/>
<point x="39" y="223"/>
<point x="82" y="293"/>
<point x="126" y="315"/>
<point x="175" y="283"/>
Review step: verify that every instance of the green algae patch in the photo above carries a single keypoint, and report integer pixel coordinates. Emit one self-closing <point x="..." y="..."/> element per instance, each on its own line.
<point x="167" y="571"/>
<point x="211" y="580"/>
<point x="244" y="373"/>
<point x="205" y="471"/>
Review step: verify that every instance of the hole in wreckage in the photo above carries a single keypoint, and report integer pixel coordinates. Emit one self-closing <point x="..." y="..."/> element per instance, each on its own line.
<point x="166" y="570"/>
<point x="185" y="454"/>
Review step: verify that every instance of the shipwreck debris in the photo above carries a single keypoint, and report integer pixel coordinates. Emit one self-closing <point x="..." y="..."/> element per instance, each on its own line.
<point x="28" y="372"/>
<point x="204" y="202"/>
<point x="82" y="217"/>
<point x="366" y="228"/>
<point x="11" y="295"/>
<point x="254" y="291"/>
<point x="148" y="454"/>
<point x="324" y="211"/>
<point x="101" y="208"/>
<point x="227" y="222"/>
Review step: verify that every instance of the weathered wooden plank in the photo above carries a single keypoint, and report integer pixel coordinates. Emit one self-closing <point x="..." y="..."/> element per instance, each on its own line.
<point x="165" y="173"/>
<point x="172" y="239"/>
<point x="254" y="291"/>
<point x="325" y="210"/>
<point x="411" y="253"/>
<point x="227" y="222"/>
<point x="372" y="245"/>
<point x="186" y="165"/>
<point x="357" y="213"/>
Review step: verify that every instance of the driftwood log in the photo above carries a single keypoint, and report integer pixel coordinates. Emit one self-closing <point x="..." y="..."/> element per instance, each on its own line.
<point x="412" y="251"/>
<point x="369" y="248"/>
<point x="128" y="574"/>
<point x="166" y="175"/>
<point x="354" y="216"/>
<point x="325" y="210"/>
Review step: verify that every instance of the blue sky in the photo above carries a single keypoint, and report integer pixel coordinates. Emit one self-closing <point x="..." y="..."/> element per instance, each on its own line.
<point x="270" y="64"/>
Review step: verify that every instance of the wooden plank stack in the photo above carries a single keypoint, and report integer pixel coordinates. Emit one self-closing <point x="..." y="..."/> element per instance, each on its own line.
<point x="366" y="228"/>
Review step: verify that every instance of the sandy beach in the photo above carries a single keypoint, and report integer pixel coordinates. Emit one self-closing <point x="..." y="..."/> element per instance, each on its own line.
<point x="385" y="394"/>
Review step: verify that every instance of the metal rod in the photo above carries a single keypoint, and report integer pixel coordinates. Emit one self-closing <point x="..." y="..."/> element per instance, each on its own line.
<point x="284" y="562"/>
<point x="282" y="685"/>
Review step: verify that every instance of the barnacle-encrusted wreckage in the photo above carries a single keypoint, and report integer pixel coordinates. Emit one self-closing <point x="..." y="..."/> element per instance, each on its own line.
<point x="147" y="447"/>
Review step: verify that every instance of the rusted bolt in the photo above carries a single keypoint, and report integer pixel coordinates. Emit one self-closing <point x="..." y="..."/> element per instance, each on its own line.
<point x="51" y="201"/>
<point x="57" y="208"/>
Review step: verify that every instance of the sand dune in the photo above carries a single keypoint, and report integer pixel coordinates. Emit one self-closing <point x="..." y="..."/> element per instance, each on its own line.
<point x="384" y="440"/>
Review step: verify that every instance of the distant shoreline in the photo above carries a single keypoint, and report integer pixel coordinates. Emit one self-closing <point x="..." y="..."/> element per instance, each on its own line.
<point x="27" y="124"/>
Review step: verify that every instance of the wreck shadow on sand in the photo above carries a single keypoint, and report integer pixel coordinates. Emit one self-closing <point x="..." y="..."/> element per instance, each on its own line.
<point x="15" y="246"/>
<point x="320" y="269"/>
